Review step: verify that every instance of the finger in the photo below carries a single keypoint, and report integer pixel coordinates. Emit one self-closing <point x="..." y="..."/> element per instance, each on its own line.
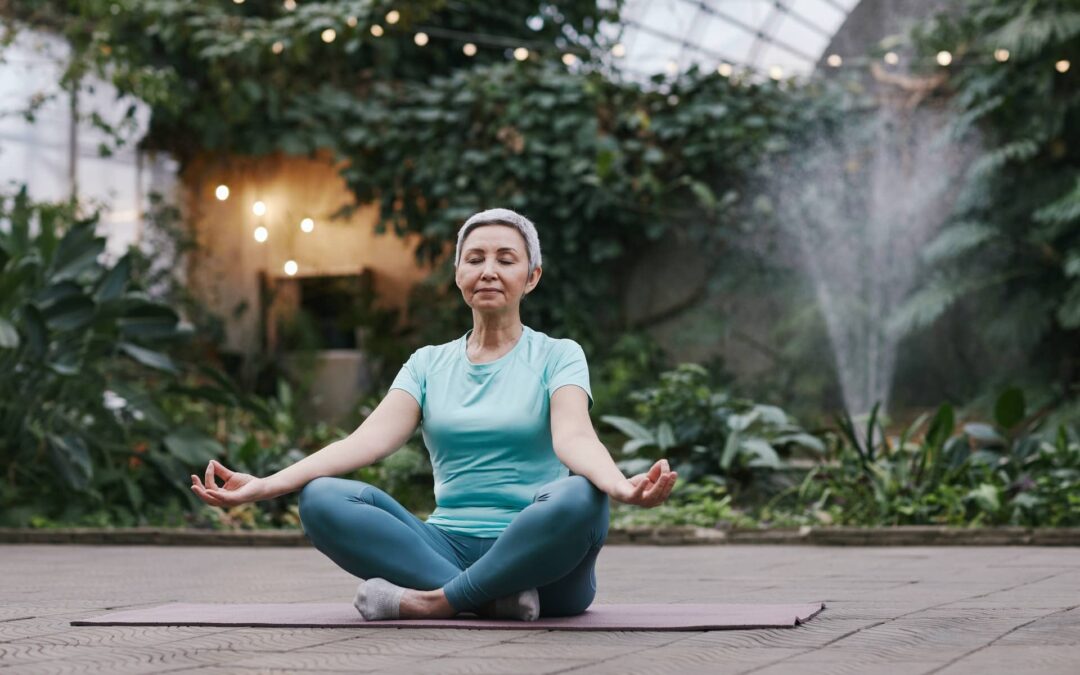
<point x="665" y="467"/>
<point x="205" y="496"/>
<point x="210" y="482"/>
<point x="222" y="470"/>
<point x="655" y="471"/>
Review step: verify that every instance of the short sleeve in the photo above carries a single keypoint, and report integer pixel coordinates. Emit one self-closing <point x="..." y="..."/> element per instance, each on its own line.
<point x="569" y="367"/>
<point x="412" y="377"/>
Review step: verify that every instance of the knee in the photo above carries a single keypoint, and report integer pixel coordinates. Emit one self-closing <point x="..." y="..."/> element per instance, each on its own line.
<point x="578" y="501"/>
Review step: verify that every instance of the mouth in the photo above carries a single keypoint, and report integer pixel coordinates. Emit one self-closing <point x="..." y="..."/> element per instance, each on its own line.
<point x="489" y="290"/>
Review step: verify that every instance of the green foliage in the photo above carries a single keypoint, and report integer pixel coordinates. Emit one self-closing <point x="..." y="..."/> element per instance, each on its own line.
<point x="1006" y="473"/>
<point x="707" y="433"/>
<point x="73" y="328"/>
<point x="704" y="504"/>
<point x="1010" y="247"/>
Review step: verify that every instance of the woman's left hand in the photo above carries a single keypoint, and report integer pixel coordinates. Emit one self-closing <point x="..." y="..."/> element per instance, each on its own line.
<point x="647" y="489"/>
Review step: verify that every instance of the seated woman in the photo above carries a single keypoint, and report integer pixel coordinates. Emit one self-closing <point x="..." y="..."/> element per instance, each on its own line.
<point x="504" y="414"/>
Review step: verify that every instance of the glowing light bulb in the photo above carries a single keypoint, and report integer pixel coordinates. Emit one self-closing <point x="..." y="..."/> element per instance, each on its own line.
<point x="619" y="50"/>
<point x="328" y="35"/>
<point x="724" y="69"/>
<point x="376" y="30"/>
<point x="944" y="58"/>
<point x="834" y="60"/>
<point x="672" y="67"/>
<point x="569" y="59"/>
<point x="776" y="72"/>
<point x="469" y="49"/>
<point x="290" y="5"/>
<point x="261" y="233"/>
<point x="392" y="17"/>
<point x="239" y="2"/>
<point x="891" y="58"/>
<point x="1001" y="55"/>
<point x="1062" y="66"/>
<point x="420" y="39"/>
<point x="521" y="53"/>
<point x="222" y="192"/>
<point x="278" y="47"/>
<point x="290" y="267"/>
<point x="351" y="21"/>
<point x="258" y="208"/>
<point x="307" y="224"/>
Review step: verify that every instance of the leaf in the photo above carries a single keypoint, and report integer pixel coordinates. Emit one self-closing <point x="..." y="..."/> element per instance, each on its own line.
<point x="115" y="280"/>
<point x="665" y="437"/>
<point x="9" y="337"/>
<point x="731" y="448"/>
<point x="941" y="427"/>
<point x="77" y="251"/>
<point x="1009" y="408"/>
<point x="629" y="427"/>
<point x="71" y="458"/>
<point x="192" y="447"/>
<point x="957" y="239"/>
<point x="764" y="455"/>
<point x="148" y="357"/>
<point x="70" y="313"/>
<point x="984" y="434"/>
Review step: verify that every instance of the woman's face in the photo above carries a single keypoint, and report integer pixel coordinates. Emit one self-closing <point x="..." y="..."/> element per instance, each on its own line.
<point x="493" y="272"/>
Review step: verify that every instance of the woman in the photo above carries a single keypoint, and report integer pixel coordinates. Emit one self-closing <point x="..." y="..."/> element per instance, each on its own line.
<point x="504" y="414"/>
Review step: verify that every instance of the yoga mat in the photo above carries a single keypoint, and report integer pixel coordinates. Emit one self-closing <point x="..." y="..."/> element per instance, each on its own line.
<point x="343" y="615"/>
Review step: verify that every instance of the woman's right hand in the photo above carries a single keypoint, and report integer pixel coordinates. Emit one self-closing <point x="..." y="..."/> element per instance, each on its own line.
<point x="239" y="488"/>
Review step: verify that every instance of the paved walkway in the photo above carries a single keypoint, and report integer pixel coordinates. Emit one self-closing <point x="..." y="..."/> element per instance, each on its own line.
<point x="946" y="610"/>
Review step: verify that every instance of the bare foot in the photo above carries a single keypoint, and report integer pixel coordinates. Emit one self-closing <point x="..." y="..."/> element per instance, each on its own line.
<point x="425" y="605"/>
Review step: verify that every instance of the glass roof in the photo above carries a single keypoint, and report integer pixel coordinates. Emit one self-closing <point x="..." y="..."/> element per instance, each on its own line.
<point x="670" y="35"/>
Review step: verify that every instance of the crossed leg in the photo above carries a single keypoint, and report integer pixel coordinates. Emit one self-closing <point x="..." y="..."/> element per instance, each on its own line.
<point x="551" y="545"/>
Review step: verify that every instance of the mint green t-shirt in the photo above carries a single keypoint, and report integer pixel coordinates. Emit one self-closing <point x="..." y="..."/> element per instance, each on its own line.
<point x="487" y="426"/>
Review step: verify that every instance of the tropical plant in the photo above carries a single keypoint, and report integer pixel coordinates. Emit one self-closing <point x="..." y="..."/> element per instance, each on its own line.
<point x="73" y="333"/>
<point x="1011" y="252"/>
<point x="708" y="433"/>
<point x="985" y="474"/>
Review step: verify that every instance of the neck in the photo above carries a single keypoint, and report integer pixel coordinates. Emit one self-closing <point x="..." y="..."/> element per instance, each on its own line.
<point x="491" y="334"/>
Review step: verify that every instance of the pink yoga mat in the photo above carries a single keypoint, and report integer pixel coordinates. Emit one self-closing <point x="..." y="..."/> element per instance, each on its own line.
<point x="344" y="615"/>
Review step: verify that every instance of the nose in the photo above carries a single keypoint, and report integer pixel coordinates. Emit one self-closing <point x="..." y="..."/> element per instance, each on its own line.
<point x="489" y="270"/>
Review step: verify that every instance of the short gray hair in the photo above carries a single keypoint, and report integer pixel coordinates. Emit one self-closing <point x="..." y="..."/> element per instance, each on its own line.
<point x="503" y="217"/>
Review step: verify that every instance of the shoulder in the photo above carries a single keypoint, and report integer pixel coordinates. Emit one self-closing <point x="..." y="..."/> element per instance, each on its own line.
<point x="550" y="350"/>
<point x="430" y="356"/>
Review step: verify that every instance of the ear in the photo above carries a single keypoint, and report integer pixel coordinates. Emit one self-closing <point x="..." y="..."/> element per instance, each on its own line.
<point x="534" y="279"/>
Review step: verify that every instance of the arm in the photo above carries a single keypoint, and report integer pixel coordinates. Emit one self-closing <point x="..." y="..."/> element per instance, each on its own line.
<point x="578" y="447"/>
<point x="384" y="431"/>
<point x="576" y="443"/>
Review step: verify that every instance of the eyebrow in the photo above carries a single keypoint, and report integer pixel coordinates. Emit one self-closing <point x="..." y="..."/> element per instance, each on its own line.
<point x="480" y="250"/>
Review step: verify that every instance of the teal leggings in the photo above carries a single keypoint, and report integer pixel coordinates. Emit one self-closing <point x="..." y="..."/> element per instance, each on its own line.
<point x="551" y="545"/>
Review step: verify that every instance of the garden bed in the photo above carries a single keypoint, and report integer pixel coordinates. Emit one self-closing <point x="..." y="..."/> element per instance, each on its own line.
<point x="906" y="535"/>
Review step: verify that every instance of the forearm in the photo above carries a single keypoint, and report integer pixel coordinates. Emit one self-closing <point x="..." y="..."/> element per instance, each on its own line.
<point x="586" y="456"/>
<point x="333" y="460"/>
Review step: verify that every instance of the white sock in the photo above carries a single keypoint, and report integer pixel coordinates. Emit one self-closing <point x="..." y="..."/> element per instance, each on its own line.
<point x="378" y="599"/>
<point x="523" y="606"/>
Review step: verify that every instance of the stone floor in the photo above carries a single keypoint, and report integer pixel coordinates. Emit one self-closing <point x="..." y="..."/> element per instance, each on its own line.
<point x="946" y="610"/>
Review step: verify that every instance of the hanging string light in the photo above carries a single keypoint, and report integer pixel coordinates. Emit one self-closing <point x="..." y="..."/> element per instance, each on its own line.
<point x="1001" y="55"/>
<point x="259" y="208"/>
<point x="329" y="35"/>
<point x="307" y="224"/>
<point x="222" y="192"/>
<point x="944" y="58"/>
<point x="291" y="267"/>
<point x="891" y="58"/>
<point x="834" y="60"/>
<point x="521" y="53"/>
<point x="420" y="39"/>
<point x="376" y="30"/>
<point x="392" y="17"/>
<point x="469" y="49"/>
<point x="261" y="234"/>
<point x="1062" y="66"/>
